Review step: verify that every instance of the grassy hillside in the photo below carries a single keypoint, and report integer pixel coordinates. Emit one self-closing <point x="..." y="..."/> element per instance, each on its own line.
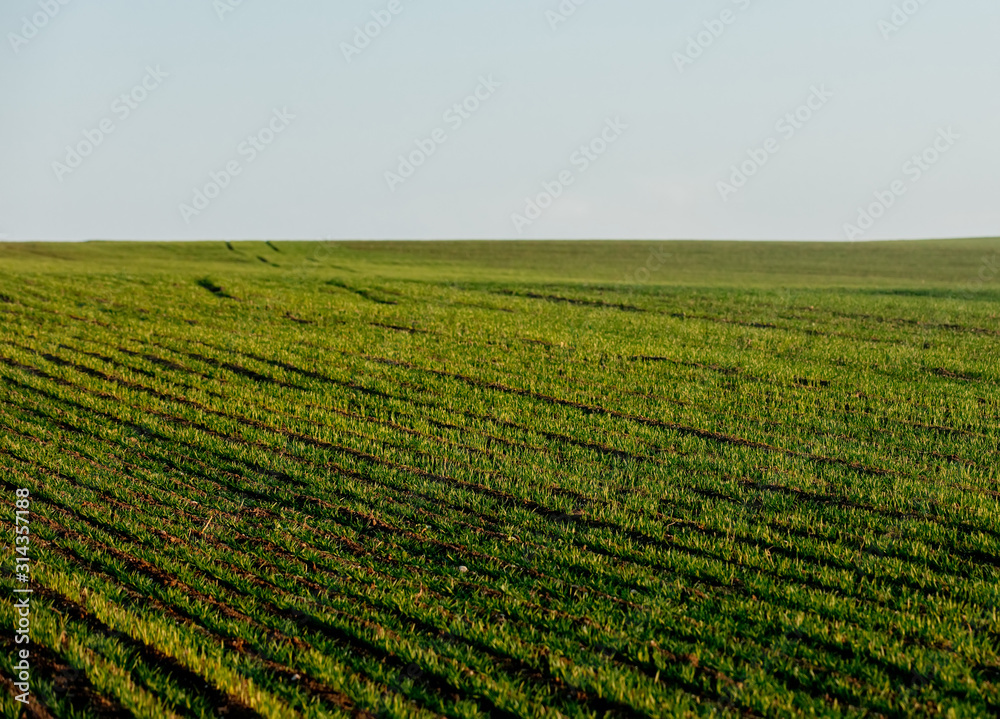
<point x="525" y="479"/>
<point x="946" y="263"/>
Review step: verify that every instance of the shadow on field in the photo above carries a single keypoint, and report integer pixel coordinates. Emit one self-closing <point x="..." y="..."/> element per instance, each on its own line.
<point x="207" y="284"/>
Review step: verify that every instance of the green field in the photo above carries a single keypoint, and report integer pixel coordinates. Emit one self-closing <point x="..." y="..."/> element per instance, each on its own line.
<point x="504" y="479"/>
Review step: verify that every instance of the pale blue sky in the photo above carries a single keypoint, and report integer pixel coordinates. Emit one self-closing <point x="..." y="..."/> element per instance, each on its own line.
<point x="324" y="176"/>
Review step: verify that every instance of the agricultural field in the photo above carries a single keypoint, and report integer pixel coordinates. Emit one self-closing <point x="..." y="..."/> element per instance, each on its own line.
<point x="502" y="479"/>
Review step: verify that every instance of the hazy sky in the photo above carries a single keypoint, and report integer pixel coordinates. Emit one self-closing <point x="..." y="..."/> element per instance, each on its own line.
<point x="618" y="119"/>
